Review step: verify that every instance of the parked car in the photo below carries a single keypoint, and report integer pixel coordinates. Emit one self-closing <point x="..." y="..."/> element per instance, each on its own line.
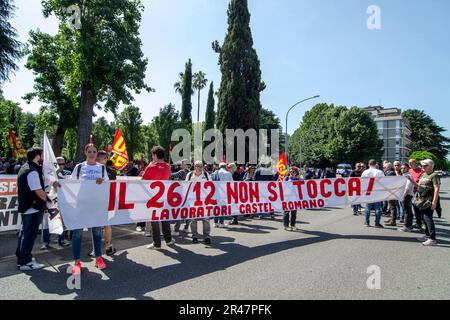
<point x="343" y="167"/>
<point x="346" y="173"/>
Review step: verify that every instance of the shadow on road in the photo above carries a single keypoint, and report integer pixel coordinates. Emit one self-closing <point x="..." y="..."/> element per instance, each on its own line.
<point x="129" y="279"/>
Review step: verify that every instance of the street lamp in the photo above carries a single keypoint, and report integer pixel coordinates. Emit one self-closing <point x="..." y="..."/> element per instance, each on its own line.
<point x="287" y="114"/>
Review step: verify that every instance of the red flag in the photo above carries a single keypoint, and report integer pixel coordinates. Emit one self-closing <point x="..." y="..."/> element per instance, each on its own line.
<point x="119" y="151"/>
<point x="106" y="149"/>
<point x="12" y="143"/>
<point x="16" y="145"/>
<point x="282" y="167"/>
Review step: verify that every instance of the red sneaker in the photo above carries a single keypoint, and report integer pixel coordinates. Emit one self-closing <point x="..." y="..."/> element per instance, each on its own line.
<point x="100" y="264"/>
<point x="76" y="269"/>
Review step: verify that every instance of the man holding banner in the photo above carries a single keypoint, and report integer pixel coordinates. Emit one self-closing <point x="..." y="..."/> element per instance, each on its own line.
<point x="159" y="170"/>
<point x="373" y="172"/>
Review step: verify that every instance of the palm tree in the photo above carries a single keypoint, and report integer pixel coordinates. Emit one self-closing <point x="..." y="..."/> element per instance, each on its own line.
<point x="178" y="85"/>
<point x="199" y="82"/>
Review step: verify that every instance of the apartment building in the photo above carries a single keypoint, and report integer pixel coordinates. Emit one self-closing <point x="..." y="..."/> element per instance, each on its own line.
<point x="394" y="130"/>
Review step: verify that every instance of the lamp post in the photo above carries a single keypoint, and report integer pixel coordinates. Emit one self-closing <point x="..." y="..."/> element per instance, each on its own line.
<point x="287" y="114"/>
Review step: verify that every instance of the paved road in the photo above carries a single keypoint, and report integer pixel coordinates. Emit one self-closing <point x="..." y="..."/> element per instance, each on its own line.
<point x="328" y="259"/>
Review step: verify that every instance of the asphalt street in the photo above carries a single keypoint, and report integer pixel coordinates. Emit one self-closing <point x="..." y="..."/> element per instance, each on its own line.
<point x="327" y="259"/>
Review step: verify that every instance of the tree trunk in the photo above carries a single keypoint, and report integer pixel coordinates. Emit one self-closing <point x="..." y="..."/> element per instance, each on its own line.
<point x="86" y="114"/>
<point x="59" y="140"/>
<point x="198" y="108"/>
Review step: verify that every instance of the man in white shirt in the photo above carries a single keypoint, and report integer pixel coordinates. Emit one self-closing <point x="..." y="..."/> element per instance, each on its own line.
<point x="221" y="175"/>
<point x="373" y="172"/>
<point x="407" y="198"/>
<point x="199" y="174"/>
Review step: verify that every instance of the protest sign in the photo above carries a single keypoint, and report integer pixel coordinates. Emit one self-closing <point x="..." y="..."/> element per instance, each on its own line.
<point x="9" y="213"/>
<point x="85" y="204"/>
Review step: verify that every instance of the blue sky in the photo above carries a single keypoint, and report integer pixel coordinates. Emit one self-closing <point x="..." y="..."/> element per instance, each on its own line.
<point x="305" y="48"/>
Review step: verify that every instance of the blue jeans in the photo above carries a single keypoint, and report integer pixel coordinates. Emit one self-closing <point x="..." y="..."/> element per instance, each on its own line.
<point x="27" y="236"/>
<point x="377" y="207"/>
<point x="77" y="236"/>
<point x="46" y="237"/>
<point x="400" y="210"/>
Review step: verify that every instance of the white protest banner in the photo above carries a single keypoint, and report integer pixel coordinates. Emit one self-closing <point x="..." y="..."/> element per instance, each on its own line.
<point x="9" y="214"/>
<point x="85" y="204"/>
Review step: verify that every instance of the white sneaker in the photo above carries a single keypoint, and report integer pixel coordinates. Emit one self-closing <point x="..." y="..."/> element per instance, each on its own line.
<point x="175" y="233"/>
<point x="216" y="225"/>
<point x="171" y="243"/>
<point x="153" y="247"/>
<point x="33" y="265"/>
<point x="422" y="239"/>
<point x="287" y="228"/>
<point x="32" y="260"/>
<point x="147" y="234"/>
<point x="139" y="229"/>
<point x="429" y="243"/>
<point x="223" y="226"/>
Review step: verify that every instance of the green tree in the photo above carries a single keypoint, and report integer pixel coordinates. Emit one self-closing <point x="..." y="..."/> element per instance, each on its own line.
<point x="10" y="48"/>
<point x="426" y="134"/>
<point x="151" y="137"/>
<point x="103" y="60"/>
<point x="44" y="55"/>
<point x="239" y="105"/>
<point x="355" y="138"/>
<point x="178" y="86"/>
<point x="10" y="118"/>
<point x="422" y="155"/>
<point x="270" y="121"/>
<point x="307" y="144"/>
<point x="130" y="122"/>
<point x="165" y="123"/>
<point x="186" y="94"/>
<point x="210" y="114"/>
<point x="70" y="144"/>
<point x="28" y="126"/>
<point x="199" y="83"/>
<point x="332" y="134"/>
<point x="103" y="133"/>
<point x="46" y="121"/>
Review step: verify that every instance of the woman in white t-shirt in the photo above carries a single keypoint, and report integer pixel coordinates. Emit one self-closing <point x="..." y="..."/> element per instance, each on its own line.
<point x="89" y="170"/>
<point x="199" y="174"/>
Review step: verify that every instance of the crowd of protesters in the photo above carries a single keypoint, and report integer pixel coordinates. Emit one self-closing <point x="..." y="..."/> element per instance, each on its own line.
<point x="419" y="202"/>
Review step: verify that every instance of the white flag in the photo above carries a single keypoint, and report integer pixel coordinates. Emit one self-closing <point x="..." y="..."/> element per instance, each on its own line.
<point x="49" y="172"/>
<point x="50" y="165"/>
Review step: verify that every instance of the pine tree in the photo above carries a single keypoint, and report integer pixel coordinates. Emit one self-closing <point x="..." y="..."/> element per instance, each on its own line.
<point x="186" y="94"/>
<point x="210" y="114"/>
<point x="239" y="103"/>
<point x="10" y="48"/>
